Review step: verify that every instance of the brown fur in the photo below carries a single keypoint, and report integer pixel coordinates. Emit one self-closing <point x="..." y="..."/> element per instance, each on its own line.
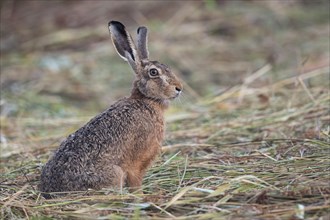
<point x="116" y="147"/>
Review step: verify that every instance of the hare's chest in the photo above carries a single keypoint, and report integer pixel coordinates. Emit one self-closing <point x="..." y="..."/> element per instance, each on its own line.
<point x="150" y="135"/>
<point x="153" y="132"/>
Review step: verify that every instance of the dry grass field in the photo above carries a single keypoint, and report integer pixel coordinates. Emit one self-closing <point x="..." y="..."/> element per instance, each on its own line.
<point x="248" y="139"/>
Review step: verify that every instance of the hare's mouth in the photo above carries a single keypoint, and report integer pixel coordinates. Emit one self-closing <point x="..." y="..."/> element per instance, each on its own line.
<point x="177" y="92"/>
<point x="175" y="96"/>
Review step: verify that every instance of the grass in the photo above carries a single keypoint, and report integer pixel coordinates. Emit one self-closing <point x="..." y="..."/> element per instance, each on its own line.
<point x="249" y="138"/>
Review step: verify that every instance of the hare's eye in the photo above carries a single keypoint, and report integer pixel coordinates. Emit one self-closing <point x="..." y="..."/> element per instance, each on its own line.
<point x="153" y="72"/>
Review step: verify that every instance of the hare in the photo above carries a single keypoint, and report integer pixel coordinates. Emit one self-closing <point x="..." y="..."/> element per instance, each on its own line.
<point x="115" y="148"/>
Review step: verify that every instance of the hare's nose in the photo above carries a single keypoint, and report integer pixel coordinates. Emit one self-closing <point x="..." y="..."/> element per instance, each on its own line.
<point x="178" y="89"/>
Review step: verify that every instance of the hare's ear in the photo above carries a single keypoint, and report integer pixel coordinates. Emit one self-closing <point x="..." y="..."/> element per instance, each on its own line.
<point x="123" y="43"/>
<point x="142" y="41"/>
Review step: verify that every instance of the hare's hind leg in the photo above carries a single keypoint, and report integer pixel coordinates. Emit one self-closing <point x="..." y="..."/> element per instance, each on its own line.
<point x="120" y="177"/>
<point x="112" y="176"/>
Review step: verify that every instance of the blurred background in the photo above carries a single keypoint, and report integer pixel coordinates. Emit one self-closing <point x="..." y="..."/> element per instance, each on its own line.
<point x="57" y="59"/>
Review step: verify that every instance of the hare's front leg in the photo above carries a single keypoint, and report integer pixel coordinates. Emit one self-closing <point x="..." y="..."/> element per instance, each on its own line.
<point x="134" y="180"/>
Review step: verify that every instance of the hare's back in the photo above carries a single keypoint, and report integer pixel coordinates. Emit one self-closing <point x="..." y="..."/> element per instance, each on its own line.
<point x="124" y="122"/>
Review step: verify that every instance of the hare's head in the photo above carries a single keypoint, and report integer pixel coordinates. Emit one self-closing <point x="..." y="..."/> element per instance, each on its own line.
<point x="153" y="79"/>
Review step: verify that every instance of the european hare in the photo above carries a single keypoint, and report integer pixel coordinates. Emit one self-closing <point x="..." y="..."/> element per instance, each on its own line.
<point x="116" y="147"/>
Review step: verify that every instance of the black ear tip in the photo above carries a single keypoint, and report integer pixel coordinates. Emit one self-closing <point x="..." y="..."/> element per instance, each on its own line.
<point x="142" y="28"/>
<point x="115" y="23"/>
